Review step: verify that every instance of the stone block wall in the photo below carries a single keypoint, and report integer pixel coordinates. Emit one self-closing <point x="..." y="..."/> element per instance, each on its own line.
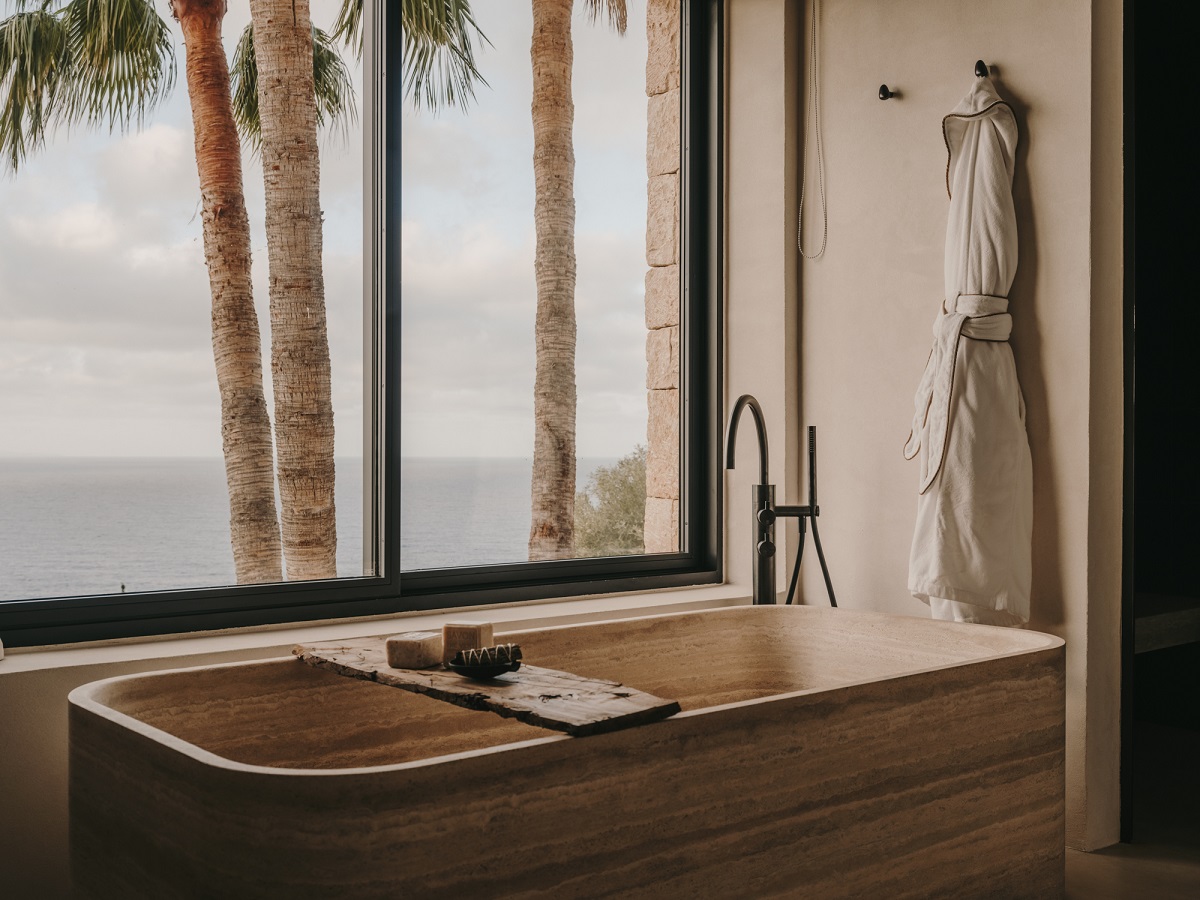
<point x="662" y="277"/>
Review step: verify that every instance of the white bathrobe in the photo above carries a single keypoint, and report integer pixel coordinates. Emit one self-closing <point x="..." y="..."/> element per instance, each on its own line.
<point x="972" y="544"/>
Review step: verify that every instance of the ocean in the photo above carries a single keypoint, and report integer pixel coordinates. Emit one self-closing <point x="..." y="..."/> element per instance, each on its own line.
<point x="469" y="512"/>
<point x="90" y="526"/>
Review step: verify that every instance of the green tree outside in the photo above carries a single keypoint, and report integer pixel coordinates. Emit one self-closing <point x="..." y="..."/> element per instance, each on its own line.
<point x="610" y="511"/>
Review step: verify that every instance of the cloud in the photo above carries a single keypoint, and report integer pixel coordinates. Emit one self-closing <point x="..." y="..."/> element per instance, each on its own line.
<point x="467" y="247"/>
<point x="468" y="355"/>
<point x="105" y="307"/>
<point x="105" y="327"/>
<point x="442" y="155"/>
<point x="88" y="400"/>
<point x="82" y="271"/>
<point x="149" y="179"/>
<point x="82" y="227"/>
<point x="466" y="326"/>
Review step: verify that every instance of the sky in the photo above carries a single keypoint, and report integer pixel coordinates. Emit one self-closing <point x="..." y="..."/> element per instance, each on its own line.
<point x="105" y="332"/>
<point x="467" y="238"/>
<point x="105" y="337"/>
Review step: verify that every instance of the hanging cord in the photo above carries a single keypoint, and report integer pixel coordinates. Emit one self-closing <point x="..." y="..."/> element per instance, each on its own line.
<point x="814" y="103"/>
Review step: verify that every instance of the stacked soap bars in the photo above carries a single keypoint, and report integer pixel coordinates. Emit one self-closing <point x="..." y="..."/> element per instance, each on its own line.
<point x="415" y="650"/>
<point x="423" y="649"/>
<point x="465" y="636"/>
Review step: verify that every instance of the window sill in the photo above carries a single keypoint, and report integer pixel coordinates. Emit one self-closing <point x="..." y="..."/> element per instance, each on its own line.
<point x="278" y="640"/>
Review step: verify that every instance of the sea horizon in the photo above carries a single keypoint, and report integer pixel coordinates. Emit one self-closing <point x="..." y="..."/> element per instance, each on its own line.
<point x="85" y="525"/>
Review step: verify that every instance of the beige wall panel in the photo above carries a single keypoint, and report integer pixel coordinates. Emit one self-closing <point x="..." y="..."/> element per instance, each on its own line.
<point x="868" y="305"/>
<point x="761" y="303"/>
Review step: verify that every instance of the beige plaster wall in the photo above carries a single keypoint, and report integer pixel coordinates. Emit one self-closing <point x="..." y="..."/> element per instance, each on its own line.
<point x="1100" y="826"/>
<point x="761" y="267"/>
<point x="868" y="304"/>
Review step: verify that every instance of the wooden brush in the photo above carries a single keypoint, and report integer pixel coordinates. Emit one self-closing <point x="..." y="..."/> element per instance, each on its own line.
<point x="500" y="655"/>
<point x="486" y="662"/>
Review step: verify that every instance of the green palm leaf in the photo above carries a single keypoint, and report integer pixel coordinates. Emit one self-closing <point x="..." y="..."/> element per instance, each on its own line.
<point x="439" y="59"/>
<point x="90" y="61"/>
<point x="348" y="27"/>
<point x="331" y="78"/>
<point x="34" y="64"/>
<point x="613" y="10"/>
<point x="124" y="61"/>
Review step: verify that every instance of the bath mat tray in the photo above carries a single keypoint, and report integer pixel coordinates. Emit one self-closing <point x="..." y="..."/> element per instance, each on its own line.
<point x="534" y="695"/>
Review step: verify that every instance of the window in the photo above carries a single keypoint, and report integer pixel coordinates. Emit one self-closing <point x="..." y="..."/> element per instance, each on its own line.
<point x="378" y="569"/>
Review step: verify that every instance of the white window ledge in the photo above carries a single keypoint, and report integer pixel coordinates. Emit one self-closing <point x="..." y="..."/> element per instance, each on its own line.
<point x="277" y="640"/>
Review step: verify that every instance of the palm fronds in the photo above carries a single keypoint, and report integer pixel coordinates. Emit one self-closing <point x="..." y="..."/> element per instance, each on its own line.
<point x="331" y="79"/>
<point x="90" y="61"/>
<point x="34" y="65"/>
<point x="124" y="61"/>
<point x="439" y="60"/>
<point x="613" y="10"/>
<point x="348" y="27"/>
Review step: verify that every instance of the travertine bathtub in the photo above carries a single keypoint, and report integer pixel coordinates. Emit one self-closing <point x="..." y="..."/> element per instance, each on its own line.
<point x="820" y="753"/>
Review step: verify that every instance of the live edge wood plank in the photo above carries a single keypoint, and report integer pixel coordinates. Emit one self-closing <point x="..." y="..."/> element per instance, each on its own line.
<point x="545" y="697"/>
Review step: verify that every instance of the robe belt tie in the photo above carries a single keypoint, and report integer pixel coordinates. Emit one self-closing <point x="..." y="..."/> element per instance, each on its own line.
<point x="982" y="317"/>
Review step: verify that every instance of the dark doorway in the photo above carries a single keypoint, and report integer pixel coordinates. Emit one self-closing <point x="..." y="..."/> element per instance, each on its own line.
<point x="1161" y="653"/>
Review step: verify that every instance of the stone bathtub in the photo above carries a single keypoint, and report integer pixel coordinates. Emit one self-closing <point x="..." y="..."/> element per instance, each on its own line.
<point x="819" y="753"/>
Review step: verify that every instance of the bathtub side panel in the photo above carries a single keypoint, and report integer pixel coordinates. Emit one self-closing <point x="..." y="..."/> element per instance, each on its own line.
<point x="946" y="783"/>
<point x="942" y="783"/>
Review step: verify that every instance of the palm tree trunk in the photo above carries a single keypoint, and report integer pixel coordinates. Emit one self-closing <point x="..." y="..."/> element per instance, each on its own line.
<point x="299" y="339"/>
<point x="245" y="425"/>
<point x="551" y="533"/>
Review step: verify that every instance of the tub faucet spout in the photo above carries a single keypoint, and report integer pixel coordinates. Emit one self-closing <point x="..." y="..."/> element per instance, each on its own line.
<point x="763" y="498"/>
<point x="764" y="510"/>
<point x="760" y="428"/>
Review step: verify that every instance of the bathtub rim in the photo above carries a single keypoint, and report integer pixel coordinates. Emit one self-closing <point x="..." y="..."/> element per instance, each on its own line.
<point x="86" y="698"/>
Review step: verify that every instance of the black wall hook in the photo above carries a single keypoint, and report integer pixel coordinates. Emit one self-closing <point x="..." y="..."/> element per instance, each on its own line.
<point x="885" y="94"/>
<point x="981" y="69"/>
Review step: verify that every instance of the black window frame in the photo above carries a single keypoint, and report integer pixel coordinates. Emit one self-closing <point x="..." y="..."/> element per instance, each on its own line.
<point x="25" y="623"/>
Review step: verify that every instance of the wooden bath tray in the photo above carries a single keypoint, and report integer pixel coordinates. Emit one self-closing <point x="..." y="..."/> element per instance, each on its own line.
<point x="545" y="697"/>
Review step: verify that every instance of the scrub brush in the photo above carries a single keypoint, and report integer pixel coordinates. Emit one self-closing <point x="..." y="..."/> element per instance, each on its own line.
<point x="486" y="662"/>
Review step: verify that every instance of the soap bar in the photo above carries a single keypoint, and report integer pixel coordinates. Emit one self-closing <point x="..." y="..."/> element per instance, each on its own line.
<point x="465" y="636"/>
<point x="415" y="650"/>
